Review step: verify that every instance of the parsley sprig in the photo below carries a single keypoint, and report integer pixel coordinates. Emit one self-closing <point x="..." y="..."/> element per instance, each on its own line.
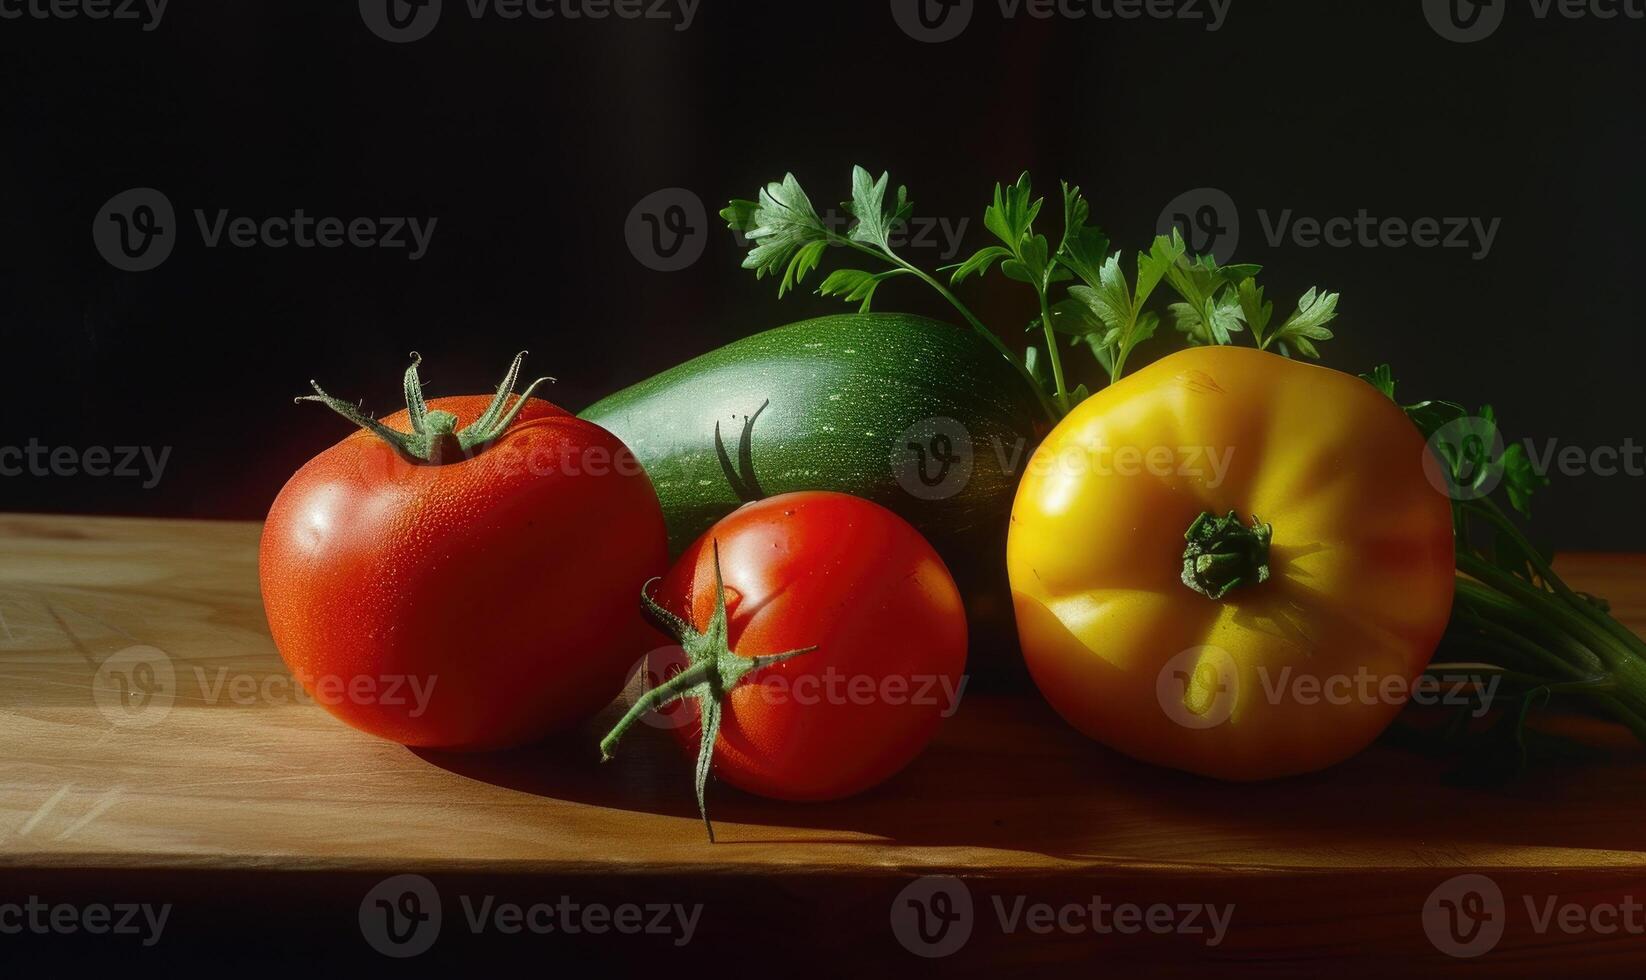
<point x="789" y="239"/>
<point x="1098" y="308"/>
<point x="1513" y="615"/>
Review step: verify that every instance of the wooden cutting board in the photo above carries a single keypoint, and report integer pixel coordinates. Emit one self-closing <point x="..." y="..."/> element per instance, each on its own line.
<point x="231" y="779"/>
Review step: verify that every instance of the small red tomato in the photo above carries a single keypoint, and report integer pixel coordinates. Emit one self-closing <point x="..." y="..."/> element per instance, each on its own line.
<point x="462" y="574"/>
<point x="826" y="663"/>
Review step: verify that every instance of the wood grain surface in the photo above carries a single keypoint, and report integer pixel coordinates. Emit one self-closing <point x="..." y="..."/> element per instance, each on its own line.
<point x="240" y="773"/>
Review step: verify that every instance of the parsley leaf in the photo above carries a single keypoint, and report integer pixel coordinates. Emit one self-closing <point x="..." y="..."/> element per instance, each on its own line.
<point x="979" y="264"/>
<point x="1308" y="324"/>
<point x="1211" y="311"/>
<point x="1119" y="312"/>
<point x="1255" y="310"/>
<point x="789" y="238"/>
<point x="875" y="222"/>
<point x="856" y="286"/>
<point x="1083" y="246"/>
<point x="787" y="233"/>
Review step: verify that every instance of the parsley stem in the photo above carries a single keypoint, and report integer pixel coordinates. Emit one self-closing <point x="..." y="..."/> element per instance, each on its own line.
<point x="1483" y="607"/>
<point x="1051" y="351"/>
<point x="1547" y="606"/>
<point x="1553" y="620"/>
<point x="1053" y="414"/>
<point x="1121" y="350"/>
<point x="1505" y="644"/>
<point x="1493" y="513"/>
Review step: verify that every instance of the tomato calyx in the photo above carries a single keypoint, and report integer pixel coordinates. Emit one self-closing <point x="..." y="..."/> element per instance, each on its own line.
<point x="712" y="671"/>
<point x="1224" y="554"/>
<point x="435" y="437"/>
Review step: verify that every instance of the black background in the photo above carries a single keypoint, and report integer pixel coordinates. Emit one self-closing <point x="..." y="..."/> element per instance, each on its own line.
<point x="530" y="141"/>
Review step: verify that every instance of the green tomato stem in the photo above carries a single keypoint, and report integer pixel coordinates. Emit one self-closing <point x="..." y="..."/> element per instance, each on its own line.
<point x="1223" y="554"/>
<point x="713" y="671"/>
<point x="435" y="437"/>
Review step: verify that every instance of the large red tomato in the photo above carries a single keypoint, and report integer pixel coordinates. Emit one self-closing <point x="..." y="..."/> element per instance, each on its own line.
<point x="806" y="570"/>
<point x="481" y="599"/>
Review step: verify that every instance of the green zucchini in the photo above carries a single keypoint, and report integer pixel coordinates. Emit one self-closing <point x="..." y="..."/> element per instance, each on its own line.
<point x="920" y="416"/>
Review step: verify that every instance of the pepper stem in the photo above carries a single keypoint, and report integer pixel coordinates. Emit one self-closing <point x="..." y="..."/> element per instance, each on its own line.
<point x="1223" y="554"/>
<point x="435" y="437"/>
<point x="712" y="671"/>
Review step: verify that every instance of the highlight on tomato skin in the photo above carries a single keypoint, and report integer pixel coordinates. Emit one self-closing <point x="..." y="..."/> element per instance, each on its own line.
<point x="836" y="634"/>
<point x="481" y="599"/>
